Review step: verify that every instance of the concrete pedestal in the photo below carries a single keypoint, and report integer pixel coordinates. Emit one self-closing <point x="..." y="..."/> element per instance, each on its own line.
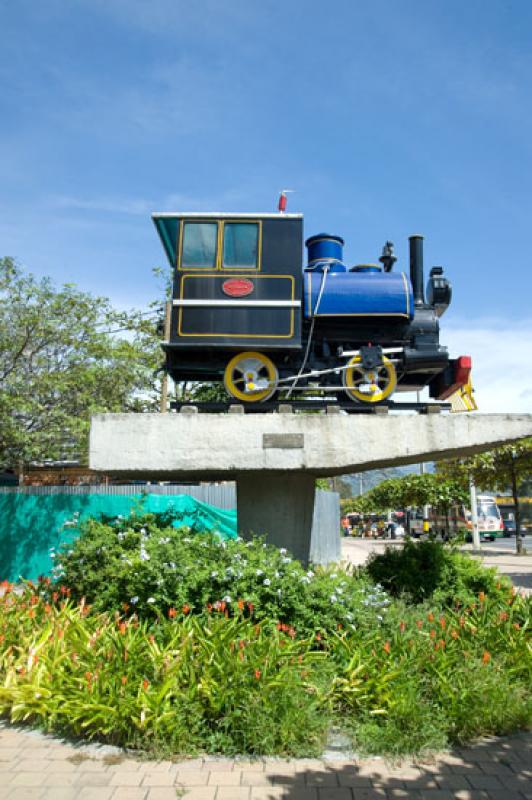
<point x="281" y="507"/>
<point x="275" y="458"/>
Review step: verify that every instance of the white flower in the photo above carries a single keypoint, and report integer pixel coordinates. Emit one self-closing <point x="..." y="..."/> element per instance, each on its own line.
<point x="150" y="600"/>
<point x="187" y="540"/>
<point x="143" y="531"/>
<point x="172" y="565"/>
<point x="214" y="574"/>
<point x="286" y="560"/>
<point x="333" y="598"/>
<point x="310" y="574"/>
<point x="283" y="551"/>
<point x="279" y="592"/>
<point x="259" y="572"/>
<point x="164" y="540"/>
<point x="227" y="599"/>
<point x="134" y="600"/>
<point x="266" y="581"/>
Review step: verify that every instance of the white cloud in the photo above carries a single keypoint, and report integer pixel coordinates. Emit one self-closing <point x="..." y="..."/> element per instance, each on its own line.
<point x="501" y="351"/>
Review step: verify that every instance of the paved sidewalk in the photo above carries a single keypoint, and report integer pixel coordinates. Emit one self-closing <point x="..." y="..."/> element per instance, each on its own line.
<point x="38" y="767"/>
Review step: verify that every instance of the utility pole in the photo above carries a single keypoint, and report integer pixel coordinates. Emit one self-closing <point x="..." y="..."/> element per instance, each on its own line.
<point x="474" y="514"/>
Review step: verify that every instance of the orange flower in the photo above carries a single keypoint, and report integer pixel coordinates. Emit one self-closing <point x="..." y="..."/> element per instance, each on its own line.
<point x="124" y="680"/>
<point x="430" y="616"/>
<point x="172" y="612"/>
<point x="454" y="634"/>
<point x="442" y="623"/>
<point x="250" y="608"/>
<point x="55" y="597"/>
<point x="433" y="634"/>
<point x="151" y="637"/>
<point x="481" y="596"/>
<point x="461" y="622"/>
<point x="122" y="628"/>
<point x="386" y="647"/>
<point x="209" y="607"/>
<point x="125" y="606"/>
<point x="63" y="590"/>
<point x="145" y="684"/>
<point x="88" y="676"/>
<point x="402" y="626"/>
<point x="318" y="637"/>
<point x="419" y="624"/>
<point x="31" y="613"/>
<point x="516" y="625"/>
<point x="240" y="605"/>
<point x="257" y="674"/>
<point x="186" y="609"/>
<point x="279" y="626"/>
<point x="486" y="657"/>
<point x="241" y="655"/>
<point x="503" y="616"/>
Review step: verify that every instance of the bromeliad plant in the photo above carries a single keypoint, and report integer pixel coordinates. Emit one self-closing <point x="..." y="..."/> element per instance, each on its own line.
<point x="182" y="685"/>
<point x="427" y="678"/>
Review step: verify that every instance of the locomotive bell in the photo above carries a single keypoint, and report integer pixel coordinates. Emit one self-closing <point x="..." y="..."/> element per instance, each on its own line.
<point x="325" y="250"/>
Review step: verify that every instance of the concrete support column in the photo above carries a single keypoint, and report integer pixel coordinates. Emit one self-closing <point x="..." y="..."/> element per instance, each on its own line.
<point x="284" y="504"/>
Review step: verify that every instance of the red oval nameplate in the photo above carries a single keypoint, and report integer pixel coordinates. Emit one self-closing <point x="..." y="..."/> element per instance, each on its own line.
<point x="237" y="287"/>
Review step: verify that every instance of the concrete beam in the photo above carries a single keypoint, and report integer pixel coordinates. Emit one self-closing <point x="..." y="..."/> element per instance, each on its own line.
<point x="225" y="446"/>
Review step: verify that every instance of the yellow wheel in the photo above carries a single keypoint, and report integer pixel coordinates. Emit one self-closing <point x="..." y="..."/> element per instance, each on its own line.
<point x="251" y="377"/>
<point x="372" y="385"/>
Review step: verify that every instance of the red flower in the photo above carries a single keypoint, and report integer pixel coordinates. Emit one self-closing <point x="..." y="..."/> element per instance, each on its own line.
<point x="386" y="647"/>
<point x="240" y="605"/>
<point x="250" y="608"/>
<point x="433" y="634"/>
<point x="257" y="674"/>
<point x="402" y="626"/>
<point x="442" y="623"/>
<point x="481" y="596"/>
<point x="419" y="624"/>
<point x="430" y="616"/>
<point x="172" y="612"/>
<point x="145" y="684"/>
<point x="186" y="609"/>
<point x="122" y="628"/>
<point x="486" y="657"/>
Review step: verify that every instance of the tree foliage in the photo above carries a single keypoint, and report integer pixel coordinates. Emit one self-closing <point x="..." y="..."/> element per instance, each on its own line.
<point x="411" y="490"/>
<point x="61" y="360"/>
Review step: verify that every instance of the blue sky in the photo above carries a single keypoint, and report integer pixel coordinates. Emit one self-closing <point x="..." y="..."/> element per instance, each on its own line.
<point x="387" y="117"/>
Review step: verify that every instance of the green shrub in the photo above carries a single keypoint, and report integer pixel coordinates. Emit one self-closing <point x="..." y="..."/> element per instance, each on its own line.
<point x="192" y="684"/>
<point x="144" y="565"/>
<point x="430" y="677"/>
<point x="424" y="570"/>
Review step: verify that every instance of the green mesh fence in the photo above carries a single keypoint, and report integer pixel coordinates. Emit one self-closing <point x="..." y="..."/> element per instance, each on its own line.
<point x="30" y="525"/>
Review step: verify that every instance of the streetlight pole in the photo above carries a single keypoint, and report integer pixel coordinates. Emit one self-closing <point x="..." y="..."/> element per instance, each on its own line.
<point x="474" y="514"/>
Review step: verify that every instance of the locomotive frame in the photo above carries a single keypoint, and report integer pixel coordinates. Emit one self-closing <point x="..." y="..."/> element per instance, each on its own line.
<point x="246" y="311"/>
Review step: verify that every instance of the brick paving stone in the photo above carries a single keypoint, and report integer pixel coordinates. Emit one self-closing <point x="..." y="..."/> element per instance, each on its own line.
<point x="62" y="766"/>
<point x="190" y="763"/>
<point x="452" y="782"/>
<point x="125" y="778"/>
<point x="347" y="779"/>
<point x="158" y="779"/>
<point x="200" y="793"/>
<point x="369" y="794"/>
<point x="471" y="794"/>
<point x="28" y="779"/>
<point x="192" y="777"/>
<point x="250" y="766"/>
<point x="223" y="765"/>
<point x="96" y="793"/>
<point x="321" y="778"/>
<point x="162" y="793"/>
<point x="60" y="793"/>
<point x="233" y="793"/>
<point x="25" y="794"/>
<point x="335" y="793"/>
<point x="256" y="779"/>
<point x="130" y="793"/>
<point x="11" y="753"/>
<point x="60" y="778"/>
<point x="486" y="782"/>
<point x="225" y="778"/>
<point x="93" y="779"/>
<point x="437" y="794"/>
<point x="294" y="779"/>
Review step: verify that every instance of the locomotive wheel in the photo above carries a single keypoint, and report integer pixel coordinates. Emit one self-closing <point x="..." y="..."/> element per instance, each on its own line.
<point x="372" y="385"/>
<point x="251" y="377"/>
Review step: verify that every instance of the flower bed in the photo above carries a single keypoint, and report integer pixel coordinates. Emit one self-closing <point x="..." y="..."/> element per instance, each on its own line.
<point x="199" y="646"/>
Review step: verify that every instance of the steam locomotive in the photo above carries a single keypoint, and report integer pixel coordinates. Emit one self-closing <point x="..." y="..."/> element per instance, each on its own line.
<point x="246" y="311"/>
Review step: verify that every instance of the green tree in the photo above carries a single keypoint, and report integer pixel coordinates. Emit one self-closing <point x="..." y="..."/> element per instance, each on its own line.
<point x="64" y="355"/>
<point x="507" y="467"/>
<point x="411" y="491"/>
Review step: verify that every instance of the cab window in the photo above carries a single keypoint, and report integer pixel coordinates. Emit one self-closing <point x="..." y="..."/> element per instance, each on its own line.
<point x="241" y="245"/>
<point x="199" y="245"/>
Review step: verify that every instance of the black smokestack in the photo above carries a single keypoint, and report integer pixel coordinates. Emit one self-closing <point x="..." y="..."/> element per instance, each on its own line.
<point x="416" y="268"/>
